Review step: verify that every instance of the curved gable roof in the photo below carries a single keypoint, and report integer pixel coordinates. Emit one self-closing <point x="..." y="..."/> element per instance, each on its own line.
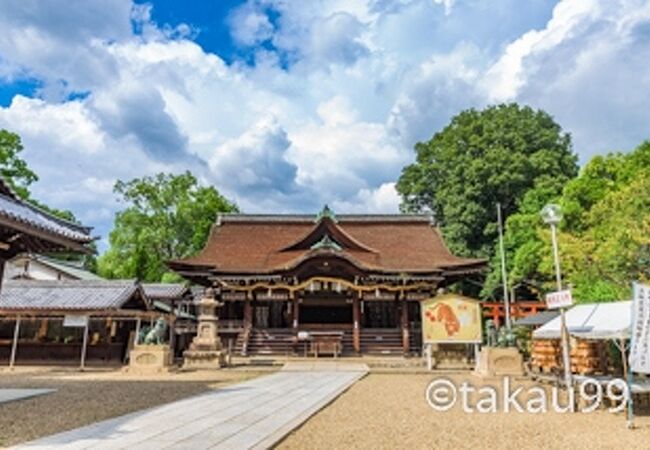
<point x="46" y="231"/>
<point x="255" y="244"/>
<point x="324" y="229"/>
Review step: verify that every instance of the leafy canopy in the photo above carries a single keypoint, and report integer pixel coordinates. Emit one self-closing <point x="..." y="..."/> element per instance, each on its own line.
<point x="483" y="157"/>
<point x="604" y="238"/>
<point x="168" y="217"/>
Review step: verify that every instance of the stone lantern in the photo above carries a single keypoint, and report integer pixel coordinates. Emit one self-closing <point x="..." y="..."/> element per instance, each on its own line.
<point x="205" y="350"/>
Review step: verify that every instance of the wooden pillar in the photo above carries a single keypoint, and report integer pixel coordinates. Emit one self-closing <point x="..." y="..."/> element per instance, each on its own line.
<point x="248" y="323"/>
<point x="296" y="313"/>
<point x="248" y="313"/>
<point x="405" y="325"/>
<point x="356" y="324"/>
<point x="289" y="311"/>
<point x="136" y="337"/>
<point x="172" y="336"/>
<point x="496" y="316"/>
<point x="14" y="344"/>
<point x="42" y="329"/>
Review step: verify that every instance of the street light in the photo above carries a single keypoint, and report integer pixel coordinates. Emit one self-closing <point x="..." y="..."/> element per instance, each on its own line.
<point x="552" y="215"/>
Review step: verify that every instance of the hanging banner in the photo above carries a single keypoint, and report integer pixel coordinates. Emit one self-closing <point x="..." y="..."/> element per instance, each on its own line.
<point x="451" y="318"/>
<point x="640" y="332"/>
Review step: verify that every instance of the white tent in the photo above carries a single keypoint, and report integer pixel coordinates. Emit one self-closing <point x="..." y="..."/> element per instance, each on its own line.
<point x="592" y="321"/>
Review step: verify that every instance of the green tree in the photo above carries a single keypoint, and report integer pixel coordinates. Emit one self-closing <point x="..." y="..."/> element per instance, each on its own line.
<point x="14" y="170"/>
<point x="604" y="237"/>
<point x="481" y="158"/>
<point x="168" y="217"/>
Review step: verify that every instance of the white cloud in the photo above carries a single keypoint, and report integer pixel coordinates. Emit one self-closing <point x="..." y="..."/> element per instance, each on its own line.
<point x="506" y="77"/>
<point x="338" y="95"/>
<point x="586" y="67"/>
<point x="448" y="4"/>
<point x="250" y="25"/>
<point x="254" y="163"/>
<point x="383" y="199"/>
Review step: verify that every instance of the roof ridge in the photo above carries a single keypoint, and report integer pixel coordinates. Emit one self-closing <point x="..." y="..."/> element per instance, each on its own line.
<point x="63" y="222"/>
<point x="48" y="222"/>
<point x="388" y="217"/>
<point x="72" y="283"/>
<point x="62" y="262"/>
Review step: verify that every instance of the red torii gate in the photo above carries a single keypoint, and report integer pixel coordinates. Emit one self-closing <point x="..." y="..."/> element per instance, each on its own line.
<point x="497" y="311"/>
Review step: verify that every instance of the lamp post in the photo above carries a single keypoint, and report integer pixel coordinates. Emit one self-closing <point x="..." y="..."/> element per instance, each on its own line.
<point x="552" y="215"/>
<point x="504" y="276"/>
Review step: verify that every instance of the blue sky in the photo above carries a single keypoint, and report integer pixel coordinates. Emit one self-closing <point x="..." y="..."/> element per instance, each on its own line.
<point x="285" y="105"/>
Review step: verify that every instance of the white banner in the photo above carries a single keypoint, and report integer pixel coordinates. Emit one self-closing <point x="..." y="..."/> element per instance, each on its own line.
<point x="559" y="299"/>
<point x="640" y="332"/>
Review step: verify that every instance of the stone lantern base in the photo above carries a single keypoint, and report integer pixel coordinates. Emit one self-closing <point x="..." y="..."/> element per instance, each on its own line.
<point x="500" y="361"/>
<point x="203" y="359"/>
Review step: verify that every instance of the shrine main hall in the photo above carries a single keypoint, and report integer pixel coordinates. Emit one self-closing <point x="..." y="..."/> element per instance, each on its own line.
<point x="362" y="277"/>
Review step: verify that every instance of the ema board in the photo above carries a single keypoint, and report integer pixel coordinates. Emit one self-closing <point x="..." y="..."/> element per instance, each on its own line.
<point x="451" y="318"/>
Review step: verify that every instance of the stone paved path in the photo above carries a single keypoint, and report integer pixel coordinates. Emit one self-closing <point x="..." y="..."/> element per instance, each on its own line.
<point x="9" y="395"/>
<point x="252" y="414"/>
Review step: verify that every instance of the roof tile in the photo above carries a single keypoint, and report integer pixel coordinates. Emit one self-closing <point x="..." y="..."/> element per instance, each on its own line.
<point x="67" y="295"/>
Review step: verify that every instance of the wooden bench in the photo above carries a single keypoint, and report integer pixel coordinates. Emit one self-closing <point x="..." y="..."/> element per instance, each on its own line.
<point x="326" y="342"/>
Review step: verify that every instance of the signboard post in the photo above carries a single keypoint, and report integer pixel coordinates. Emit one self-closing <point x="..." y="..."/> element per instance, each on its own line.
<point x="79" y="321"/>
<point x="450" y="319"/>
<point x="14" y="344"/>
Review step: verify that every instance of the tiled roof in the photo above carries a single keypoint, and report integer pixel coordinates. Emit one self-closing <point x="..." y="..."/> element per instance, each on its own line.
<point x="67" y="267"/>
<point x="267" y="244"/>
<point x="17" y="210"/>
<point x="77" y="295"/>
<point x="164" y="290"/>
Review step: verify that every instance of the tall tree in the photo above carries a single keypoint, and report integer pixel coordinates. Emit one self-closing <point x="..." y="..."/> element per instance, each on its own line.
<point x="481" y="158"/>
<point x="168" y="217"/>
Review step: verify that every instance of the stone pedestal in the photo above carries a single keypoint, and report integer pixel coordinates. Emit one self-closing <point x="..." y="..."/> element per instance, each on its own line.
<point x="150" y="358"/>
<point x="205" y="350"/>
<point x="500" y="361"/>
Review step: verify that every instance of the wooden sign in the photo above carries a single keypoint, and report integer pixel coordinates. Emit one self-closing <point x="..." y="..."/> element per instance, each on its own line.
<point x="75" y="321"/>
<point x="559" y="299"/>
<point x="451" y="318"/>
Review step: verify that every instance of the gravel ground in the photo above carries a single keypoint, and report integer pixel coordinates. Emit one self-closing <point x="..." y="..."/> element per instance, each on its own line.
<point x="83" y="398"/>
<point x="390" y="411"/>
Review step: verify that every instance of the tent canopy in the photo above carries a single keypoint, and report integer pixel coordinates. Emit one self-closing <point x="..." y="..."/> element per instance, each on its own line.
<point x="592" y="321"/>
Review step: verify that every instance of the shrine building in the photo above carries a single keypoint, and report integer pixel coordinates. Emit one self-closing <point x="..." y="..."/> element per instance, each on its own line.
<point x="361" y="276"/>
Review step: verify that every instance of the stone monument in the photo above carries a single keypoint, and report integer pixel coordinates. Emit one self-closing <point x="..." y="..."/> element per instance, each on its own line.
<point x="150" y="358"/>
<point x="205" y="350"/>
<point x="151" y="353"/>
